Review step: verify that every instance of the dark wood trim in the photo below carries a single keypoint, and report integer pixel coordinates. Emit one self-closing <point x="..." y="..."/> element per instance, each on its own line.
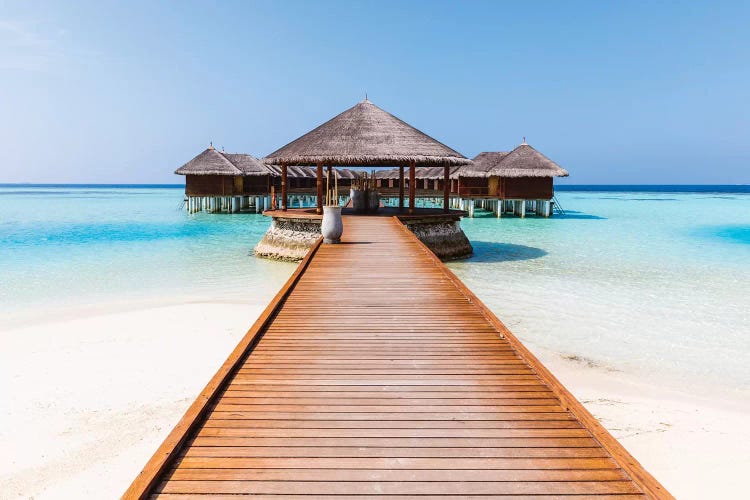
<point x="165" y="454"/>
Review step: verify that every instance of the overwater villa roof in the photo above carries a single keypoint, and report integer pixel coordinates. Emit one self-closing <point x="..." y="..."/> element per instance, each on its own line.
<point x="209" y="162"/>
<point x="366" y="135"/>
<point x="212" y="162"/>
<point x="523" y="161"/>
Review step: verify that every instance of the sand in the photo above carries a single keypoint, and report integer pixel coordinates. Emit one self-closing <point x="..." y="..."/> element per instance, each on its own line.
<point x="86" y="400"/>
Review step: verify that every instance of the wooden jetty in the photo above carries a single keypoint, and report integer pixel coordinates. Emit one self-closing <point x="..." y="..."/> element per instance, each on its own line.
<point x="373" y="372"/>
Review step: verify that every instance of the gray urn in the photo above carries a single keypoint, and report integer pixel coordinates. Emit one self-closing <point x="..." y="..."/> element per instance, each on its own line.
<point x="332" y="226"/>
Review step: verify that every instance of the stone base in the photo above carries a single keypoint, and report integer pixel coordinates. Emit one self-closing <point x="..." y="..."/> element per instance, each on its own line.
<point x="442" y="235"/>
<point x="288" y="239"/>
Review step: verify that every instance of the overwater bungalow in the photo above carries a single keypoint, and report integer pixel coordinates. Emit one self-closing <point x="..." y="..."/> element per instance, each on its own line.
<point x="514" y="182"/>
<point x="217" y="181"/>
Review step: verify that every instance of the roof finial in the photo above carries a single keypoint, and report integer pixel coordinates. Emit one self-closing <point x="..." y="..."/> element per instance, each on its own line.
<point x="524" y="141"/>
<point x="211" y="145"/>
<point x="365" y="96"/>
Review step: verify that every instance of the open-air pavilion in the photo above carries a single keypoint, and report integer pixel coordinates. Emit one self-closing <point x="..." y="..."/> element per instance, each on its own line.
<point x="366" y="135"/>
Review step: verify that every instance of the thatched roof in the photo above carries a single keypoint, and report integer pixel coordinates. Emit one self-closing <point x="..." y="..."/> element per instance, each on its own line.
<point x="366" y="135"/>
<point x="212" y="162"/>
<point x="246" y="164"/>
<point x="209" y="162"/>
<point x="523" y="161"/>
<point x="483" y="162"/>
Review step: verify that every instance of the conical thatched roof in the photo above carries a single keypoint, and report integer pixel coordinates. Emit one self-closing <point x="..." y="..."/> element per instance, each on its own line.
<point x="366" y="135"/>
<point x="209" y="162"/>
<point x="523" y="161"/>
<point x="212" y="162"/>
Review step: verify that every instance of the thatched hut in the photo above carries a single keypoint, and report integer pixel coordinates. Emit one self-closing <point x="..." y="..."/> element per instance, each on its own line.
<point x="521" y="174"/>
<point x="365" y="135"/>
<point x="218" y="174"/>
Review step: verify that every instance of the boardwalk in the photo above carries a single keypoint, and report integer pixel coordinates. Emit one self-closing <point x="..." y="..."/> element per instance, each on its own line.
<point x="381" y="374"/>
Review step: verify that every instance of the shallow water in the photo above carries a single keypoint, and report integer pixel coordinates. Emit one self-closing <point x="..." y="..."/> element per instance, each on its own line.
<point x="653" y="284"/>
<point x="87" y="246"/>
<point x="656" y="285"/>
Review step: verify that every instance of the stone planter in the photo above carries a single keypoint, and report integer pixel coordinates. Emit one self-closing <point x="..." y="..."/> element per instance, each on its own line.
<point x="332" y="225"/>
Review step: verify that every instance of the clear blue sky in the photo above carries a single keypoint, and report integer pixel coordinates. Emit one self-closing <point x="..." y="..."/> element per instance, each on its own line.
<point x="616" y="92"/>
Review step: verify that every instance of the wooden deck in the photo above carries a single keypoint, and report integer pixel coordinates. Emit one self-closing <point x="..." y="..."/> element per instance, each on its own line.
<point x="375" y="372"/>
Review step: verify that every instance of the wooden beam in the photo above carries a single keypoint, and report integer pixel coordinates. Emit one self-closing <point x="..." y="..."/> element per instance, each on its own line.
<point x="412" y="185"/>
<point x="446" y="188"/>
<point x="319" y="205"/>
<point x="401" y="188"/>
<point x="283" y="186"/>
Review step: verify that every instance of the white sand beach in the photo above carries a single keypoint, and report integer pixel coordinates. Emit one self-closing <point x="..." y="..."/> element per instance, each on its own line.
<point x="87" y="400"/>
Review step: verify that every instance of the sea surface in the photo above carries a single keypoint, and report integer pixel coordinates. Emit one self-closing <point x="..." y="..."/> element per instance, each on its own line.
<point x="649" y="280"/>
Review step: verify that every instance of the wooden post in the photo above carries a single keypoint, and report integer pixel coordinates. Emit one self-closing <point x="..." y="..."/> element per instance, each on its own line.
<point x="446" y="188"/>
<point x="412" y="185"/>
<point x="401" y="188"/>
<point x="319" y="206"/>
<point x="283" y="186"/>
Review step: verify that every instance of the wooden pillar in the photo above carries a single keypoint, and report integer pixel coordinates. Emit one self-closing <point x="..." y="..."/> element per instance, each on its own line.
<point x="401" y="188"/>
<point x="283" y="186"/>
<point x="319" y="206"/>
<point x="412" y="185"/>
<point x="446" y="188"/>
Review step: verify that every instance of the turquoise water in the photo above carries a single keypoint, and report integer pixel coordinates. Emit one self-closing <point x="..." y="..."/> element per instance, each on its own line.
<point x="654" y="284"/>
<point x="63" y="247"/>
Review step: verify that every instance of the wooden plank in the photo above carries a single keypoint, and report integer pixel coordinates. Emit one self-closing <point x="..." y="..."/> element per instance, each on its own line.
<point x="395" y="463"/>
<point x="345" y="487"/>
<point x="444" y="425"/>
<point x="354" y="452"/>
<point x="188" y="474"/>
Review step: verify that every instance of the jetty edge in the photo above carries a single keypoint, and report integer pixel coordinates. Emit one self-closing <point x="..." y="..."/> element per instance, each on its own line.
<point x="453" y="346"/>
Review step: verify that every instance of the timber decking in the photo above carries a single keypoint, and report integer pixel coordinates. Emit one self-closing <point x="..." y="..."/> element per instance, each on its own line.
<point x="376" y="372"/>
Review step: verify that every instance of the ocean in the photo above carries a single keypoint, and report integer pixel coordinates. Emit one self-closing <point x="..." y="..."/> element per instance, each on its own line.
<point x="652" y="281"/>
